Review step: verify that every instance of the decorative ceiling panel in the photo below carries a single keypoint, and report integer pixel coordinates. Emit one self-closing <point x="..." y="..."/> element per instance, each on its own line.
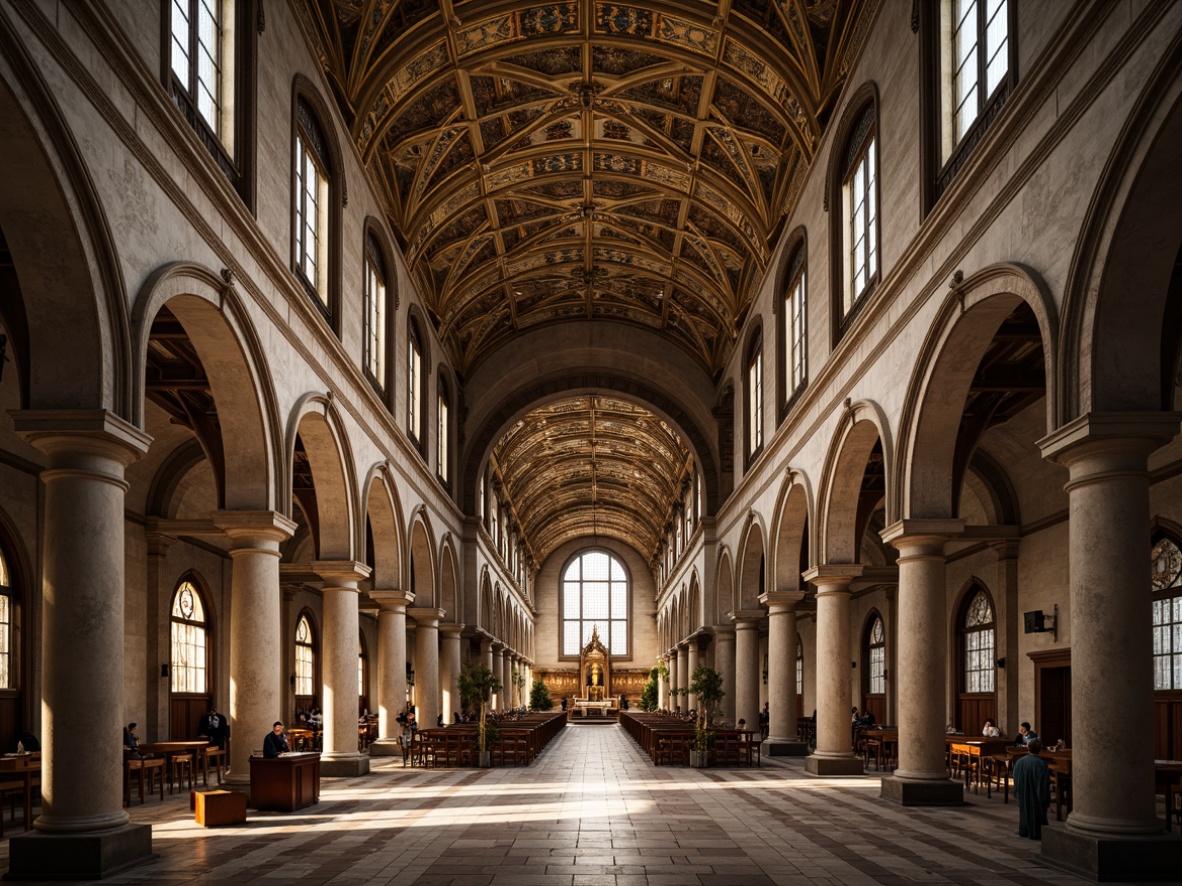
<point x="551" y="162"/>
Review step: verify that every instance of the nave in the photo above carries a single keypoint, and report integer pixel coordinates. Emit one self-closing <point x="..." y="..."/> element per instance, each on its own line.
<point x="593" y="811"/>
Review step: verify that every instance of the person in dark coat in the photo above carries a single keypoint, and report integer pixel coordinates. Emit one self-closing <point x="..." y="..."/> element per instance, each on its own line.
<point x="215" y="727"/>
<point x="275" y="743"/>
<point x="1032" y="790"/>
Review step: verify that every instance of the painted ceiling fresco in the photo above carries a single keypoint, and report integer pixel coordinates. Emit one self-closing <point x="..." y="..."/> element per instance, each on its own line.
<point x="549" y="162"/>
<point x="592" y="465"/>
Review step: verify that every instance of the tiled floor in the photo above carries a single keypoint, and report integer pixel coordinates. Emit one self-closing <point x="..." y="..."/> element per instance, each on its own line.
<point x="593" y="810"/>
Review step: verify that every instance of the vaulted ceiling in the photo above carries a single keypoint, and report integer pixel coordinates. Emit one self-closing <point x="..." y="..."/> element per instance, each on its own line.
<point x="581" y="159"/>
<point x="592" y="465"/>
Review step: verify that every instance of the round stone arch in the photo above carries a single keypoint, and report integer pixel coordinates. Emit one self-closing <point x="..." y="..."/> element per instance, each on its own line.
<point x="449" y="598"/>
<point x="219" y="328"/>
<point x="1119" y="282"/>
<point x="752" y="564"/>
<point x="695" y="601"/>
<point x="794" y="510"/>
<point x="71" y="343"/>
<point x="422" y="559"/>
<point x="724" y="587"/>
<point x="862" y="425"/>
<point x="384" y="511"/>
<point x="484" y="615"/>
<point x="546" y="391"/>
<point x="955" y="345"/>
<point x="316" y="421"/>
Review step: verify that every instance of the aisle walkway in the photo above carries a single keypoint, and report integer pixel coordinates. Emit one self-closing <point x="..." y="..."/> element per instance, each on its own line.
<point x="593" y="810"/>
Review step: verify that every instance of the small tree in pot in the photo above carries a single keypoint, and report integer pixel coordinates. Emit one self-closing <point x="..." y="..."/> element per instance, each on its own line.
<point x="477" y="685"/>
<point x="706" y="686"/>
<point x="539" y="697"/>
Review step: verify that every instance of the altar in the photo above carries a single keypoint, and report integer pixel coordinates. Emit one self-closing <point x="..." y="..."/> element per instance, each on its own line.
<point x="592" y="708"/>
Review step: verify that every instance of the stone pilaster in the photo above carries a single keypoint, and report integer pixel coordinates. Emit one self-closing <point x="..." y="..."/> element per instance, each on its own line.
<point x="834" y="754"/>
<point x="497" y="701"/>
<point x="1113" y="831"/>
<point x="449" y="670"/>
<point x="426" y="664"/>
<point x="747" y="665"/>
<point x="922" y="779"/>
<point x="782" y="739"/>
<point x="391" y="669"/>
<point x="339" y="669"/>
<point x="83" y="830"/>
<point x="662" y="682"/>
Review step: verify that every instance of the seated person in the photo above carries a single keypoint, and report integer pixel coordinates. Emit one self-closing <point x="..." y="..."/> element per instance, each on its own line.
<point x="867" y="719"/>
<point x="1025" y="734"/>
<point x="275" y="743"/>
<point x="131" y="742"/>
<point x="990" y="729"/>
<point x="29" y="742"/>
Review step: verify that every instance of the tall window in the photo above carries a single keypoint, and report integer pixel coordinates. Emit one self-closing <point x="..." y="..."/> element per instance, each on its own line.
<point x="794" y="330"/>
<point x="305" y="657"/>
<point x="361" y="667"/>
<point x="442" y="435"/>
<point x="860" y="205"/>
<point x="312" y="174"/>
<point x="978" y="643"/>
<point x="190" y="653"/>
<point x="876" y="658"/>
<point x="799" y="668"/>
<point x="595" y="594"/>
<point x="414" y="383"/>
<point x="976" y="60"/>
<point x="7" y="677"/>
<point x="1167" y="615"/>
<point x="376" y="319"/>
<point x="755" y="396"/>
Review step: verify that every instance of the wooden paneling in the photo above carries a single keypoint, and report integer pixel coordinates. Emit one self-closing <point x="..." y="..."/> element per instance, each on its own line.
<point x="10" y="721"/>
<point x="973" y="709"/>
<point x="185" y="713"/>
<point x="876" y="704"/>
<point x="1167" y="725"/>
<point x="1052" y="696"/>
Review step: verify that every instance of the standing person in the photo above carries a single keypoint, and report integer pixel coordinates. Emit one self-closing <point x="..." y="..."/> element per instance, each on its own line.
<point x="275" y="743"/>
<point x="1032" y="790"/>
<point x="764" y="719"/>
<point x="215" y="727"/>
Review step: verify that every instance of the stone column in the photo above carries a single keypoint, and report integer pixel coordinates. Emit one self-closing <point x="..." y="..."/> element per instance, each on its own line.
<point x="834" y="754"/>
<point x="690" y="667"/>
<point x="391" y="669"/>
<point x="782" y="739"/>
<point x="724" y="663"/>
<point x="506" y="679"/>
<point x="449" y="670"/>
<point x="922" y="665"/>
<point x="683" y="675"/>
<point x="1113" y="831"/>
<point x="892" y="655"/>
<point x="747" y="665"/>
<point x="426" y="665"/>
<point x="498" y="668"/>
<point x="662" y="682"/>
<point x="340" y="757"/>
<point x="83" y="826"/>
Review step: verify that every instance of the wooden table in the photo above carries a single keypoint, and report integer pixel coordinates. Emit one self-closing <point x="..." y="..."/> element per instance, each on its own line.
<point x="171" y="749"/>
<point x="285" y="783"/>
<point x="21" y="768"/>
<point x="972" y="753"/>
<point x="1167" y="774"/>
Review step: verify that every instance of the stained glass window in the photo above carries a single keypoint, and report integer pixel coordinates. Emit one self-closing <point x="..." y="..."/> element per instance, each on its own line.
<point x="978" y="634"/>
<point x="595" y="595"/>
<point x="1167" y="615"/>
<point x="190" y="653"/>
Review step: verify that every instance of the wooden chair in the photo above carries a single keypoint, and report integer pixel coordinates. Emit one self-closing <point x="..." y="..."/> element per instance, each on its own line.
<point x="148" y="771"/>
<point x="216" y="757"/>
<point x="180" y="768"/>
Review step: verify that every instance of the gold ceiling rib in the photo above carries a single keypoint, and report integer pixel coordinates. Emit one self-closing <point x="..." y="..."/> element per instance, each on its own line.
<point x="558" y="161"/>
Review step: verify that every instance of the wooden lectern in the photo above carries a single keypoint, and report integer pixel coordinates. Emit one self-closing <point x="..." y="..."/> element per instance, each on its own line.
<point x="285" y="783"/>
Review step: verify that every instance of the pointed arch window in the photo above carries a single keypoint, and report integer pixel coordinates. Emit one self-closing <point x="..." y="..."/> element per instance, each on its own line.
<point x="7" y="612"/>
<point x="595" y="595"/>
<point x="876" y="657"/>
<point x="305" y="657"/>
<point x="1167" y="614"/>
<point x="377" y="314"/>
<point x="977" y="629"/>
<point x="190" y="641"/>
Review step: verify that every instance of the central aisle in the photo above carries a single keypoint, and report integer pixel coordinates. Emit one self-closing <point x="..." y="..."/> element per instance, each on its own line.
<point x="593" y="811"/>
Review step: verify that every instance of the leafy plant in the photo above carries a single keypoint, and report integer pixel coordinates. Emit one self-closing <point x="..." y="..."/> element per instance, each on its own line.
<point x="539" y="697"/>
<point x="649" y="700"/>
<point x="706" y="686"/>
<point x="477" y="685"/>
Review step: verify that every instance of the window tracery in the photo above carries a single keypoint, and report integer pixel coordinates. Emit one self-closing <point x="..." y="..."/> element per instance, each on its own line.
<point x="190" y="654"/>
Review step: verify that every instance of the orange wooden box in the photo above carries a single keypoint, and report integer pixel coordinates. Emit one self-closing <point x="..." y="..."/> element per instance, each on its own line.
<point x="220" y="807"/>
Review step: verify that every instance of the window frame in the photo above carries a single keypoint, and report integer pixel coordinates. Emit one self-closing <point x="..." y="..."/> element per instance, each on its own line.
<point x="876" y="670"/>
<point x="794" y="278"/>
<point x="964" y="631"/>
<point x="1173" y="593"/>
<point x="576" y="559"/>
<point x="374" y="266"/>
<point x="416" y="386"/>
<point x="313" y="646"/>
<point x="10" y="591"/>
<point x="753" y="396"/>
<point x="176" y="668"/>
<point x="443" y="422"/>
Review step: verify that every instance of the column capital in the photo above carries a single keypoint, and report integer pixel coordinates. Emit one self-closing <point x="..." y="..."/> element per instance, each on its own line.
<point x="724" y="631"/>
<point x="451" y="629"/>
<point x="745" y="617"/>
<point x="259" y="529"/>
<point x="425" y="616"/>
<point x="392" y="599"/>
<point x="1096" y="432"/>
<point x="833" y="574"/>
<point x="94" y="432"/>
<point x="341" y="574"/>
<point x="922" y="533"/>
<point x="781" y="601"/>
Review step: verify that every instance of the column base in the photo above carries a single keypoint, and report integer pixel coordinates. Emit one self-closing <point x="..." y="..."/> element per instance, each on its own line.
<point x="344" y="766"/>
<point x="1157" y="857"/>
<point x="905" y="792"/>
<point x="39" y="856"/>
<point x="386" y="747"/>
<point x="784" y="747"/>
<point x="851" y="765"/>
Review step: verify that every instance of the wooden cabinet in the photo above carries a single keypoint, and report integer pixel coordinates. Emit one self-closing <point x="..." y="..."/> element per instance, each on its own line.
<point x="286" y="783"/>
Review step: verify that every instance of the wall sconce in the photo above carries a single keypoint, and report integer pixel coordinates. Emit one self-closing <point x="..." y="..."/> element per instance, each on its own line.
<point x="1001" y="662"/>
<point x="291" y="679"/>
<point x="164" y="670"/>
<point x="854" y="665"/>
<point x="1036" y="623"/>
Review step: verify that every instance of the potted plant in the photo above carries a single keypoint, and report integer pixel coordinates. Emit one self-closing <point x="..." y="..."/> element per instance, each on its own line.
<point x="477" y="685"/>
<point x="706" y="686"/>
<point x="648" y="696"/>
<point x="539" y="697"/>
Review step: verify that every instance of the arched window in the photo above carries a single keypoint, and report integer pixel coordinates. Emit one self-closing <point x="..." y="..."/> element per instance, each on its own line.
<point x="794" y="329"/>
<point x="377" y="315"/>
<point x="305" y="658"/>
<point x="753" y="381"/>
<point x="978" y="643"/>
<point x="859" y="206"/>
<point x="443" y="433"/>
<point x="1167" y="615"/>
<point x="7" y="616"/>
<point x="313" y="171"/>
<point x="876" y="658"/>
<point x="595" y="594"/>
<point x="190" y="644"/>
<point x="414" y="383"/>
